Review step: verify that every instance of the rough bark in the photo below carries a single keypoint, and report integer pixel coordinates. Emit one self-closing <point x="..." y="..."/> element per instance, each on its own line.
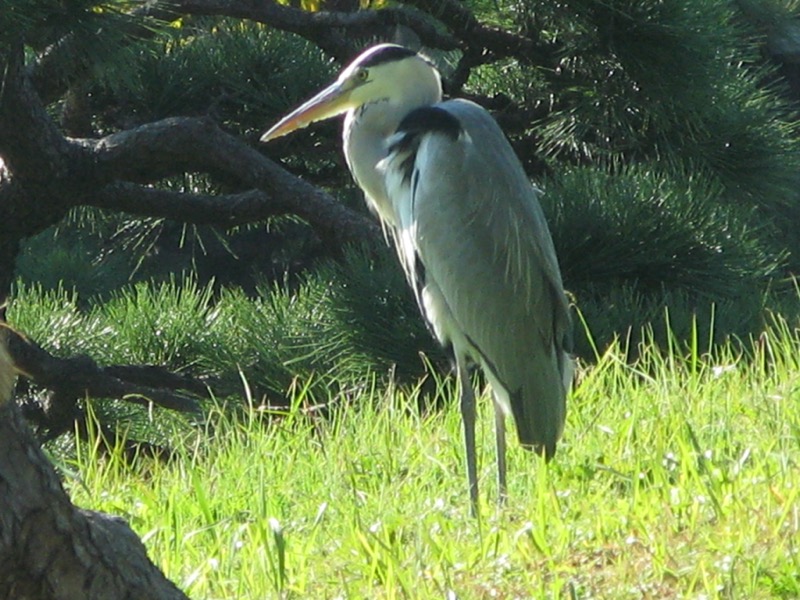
<point x="49" y="549"/>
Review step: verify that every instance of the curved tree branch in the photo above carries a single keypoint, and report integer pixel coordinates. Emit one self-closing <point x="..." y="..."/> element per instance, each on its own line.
<point x="79" y="376"/>
<point x="490" y="42"/>
<point x="226" y="210"/>
<point x="31" y="145"/>
<point x="331" y="31"/>
<point x="61" y="65"/>
<point x="176" y="145"/>
<point x="61" y="173"/>
<point x="48" y="174"/>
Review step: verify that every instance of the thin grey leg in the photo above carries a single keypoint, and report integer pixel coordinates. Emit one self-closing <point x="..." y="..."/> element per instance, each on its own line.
<point x="500" y="436"/>
<point x="468" y="418"/>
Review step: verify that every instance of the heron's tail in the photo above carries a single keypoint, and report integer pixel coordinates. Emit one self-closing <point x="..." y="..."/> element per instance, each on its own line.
<point x="540" y="407"/>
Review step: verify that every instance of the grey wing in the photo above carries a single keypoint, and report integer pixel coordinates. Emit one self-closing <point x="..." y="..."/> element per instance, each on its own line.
<point x="491" y="284"/>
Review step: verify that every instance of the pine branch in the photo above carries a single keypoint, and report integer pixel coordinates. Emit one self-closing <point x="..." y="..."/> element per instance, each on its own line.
<point x="226" y="210"/>
<point x="176" y="145"/>
<point x="331" y="31"/>
<point x="64" y="64"/>
<point x="57" y="172"/>
<point x="486" y="43"/>
<point x="78" y="376"/>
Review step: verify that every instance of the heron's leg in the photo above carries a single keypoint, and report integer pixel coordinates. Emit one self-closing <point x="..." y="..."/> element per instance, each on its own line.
<point x="500" y="435"/>
<point x="468" y="418"/>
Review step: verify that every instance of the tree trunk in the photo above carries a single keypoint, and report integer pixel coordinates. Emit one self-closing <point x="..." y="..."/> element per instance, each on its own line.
<point x="50" y="549"/>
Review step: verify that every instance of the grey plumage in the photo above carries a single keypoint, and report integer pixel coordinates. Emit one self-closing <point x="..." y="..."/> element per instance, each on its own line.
<point x="469" y="232"/>
<point x="477" y="227"/>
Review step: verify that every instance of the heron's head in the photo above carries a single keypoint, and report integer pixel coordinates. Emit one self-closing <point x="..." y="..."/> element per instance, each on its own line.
<point x="383" y="73"/>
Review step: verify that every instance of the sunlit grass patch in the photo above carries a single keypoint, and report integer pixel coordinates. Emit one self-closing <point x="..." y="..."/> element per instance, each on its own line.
<point x="677" y="477"/>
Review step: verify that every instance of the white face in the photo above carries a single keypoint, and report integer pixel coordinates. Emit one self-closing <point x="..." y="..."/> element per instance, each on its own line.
<point x="411" y="80"/>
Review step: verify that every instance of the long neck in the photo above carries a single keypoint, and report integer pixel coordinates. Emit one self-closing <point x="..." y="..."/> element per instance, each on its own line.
<point x="366" y="130"/>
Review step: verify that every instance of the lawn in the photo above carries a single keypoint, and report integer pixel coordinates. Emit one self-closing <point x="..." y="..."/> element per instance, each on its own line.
<point x="677" y="477"/>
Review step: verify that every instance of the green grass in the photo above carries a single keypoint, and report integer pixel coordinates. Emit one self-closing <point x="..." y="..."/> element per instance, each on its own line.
<point x="678" y="477"/>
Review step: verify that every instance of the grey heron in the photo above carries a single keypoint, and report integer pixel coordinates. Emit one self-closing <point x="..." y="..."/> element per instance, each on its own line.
<point x="470" y="234"/>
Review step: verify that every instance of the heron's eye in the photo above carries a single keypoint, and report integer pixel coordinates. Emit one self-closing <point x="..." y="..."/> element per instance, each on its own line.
<point x="362" y="75"/>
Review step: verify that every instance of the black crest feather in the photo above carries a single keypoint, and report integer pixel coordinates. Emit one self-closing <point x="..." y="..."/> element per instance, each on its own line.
<point x="387" y="54"/>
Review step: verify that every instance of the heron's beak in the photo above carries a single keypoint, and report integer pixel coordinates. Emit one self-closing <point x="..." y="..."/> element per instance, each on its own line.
<point x="332" y="101"/>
